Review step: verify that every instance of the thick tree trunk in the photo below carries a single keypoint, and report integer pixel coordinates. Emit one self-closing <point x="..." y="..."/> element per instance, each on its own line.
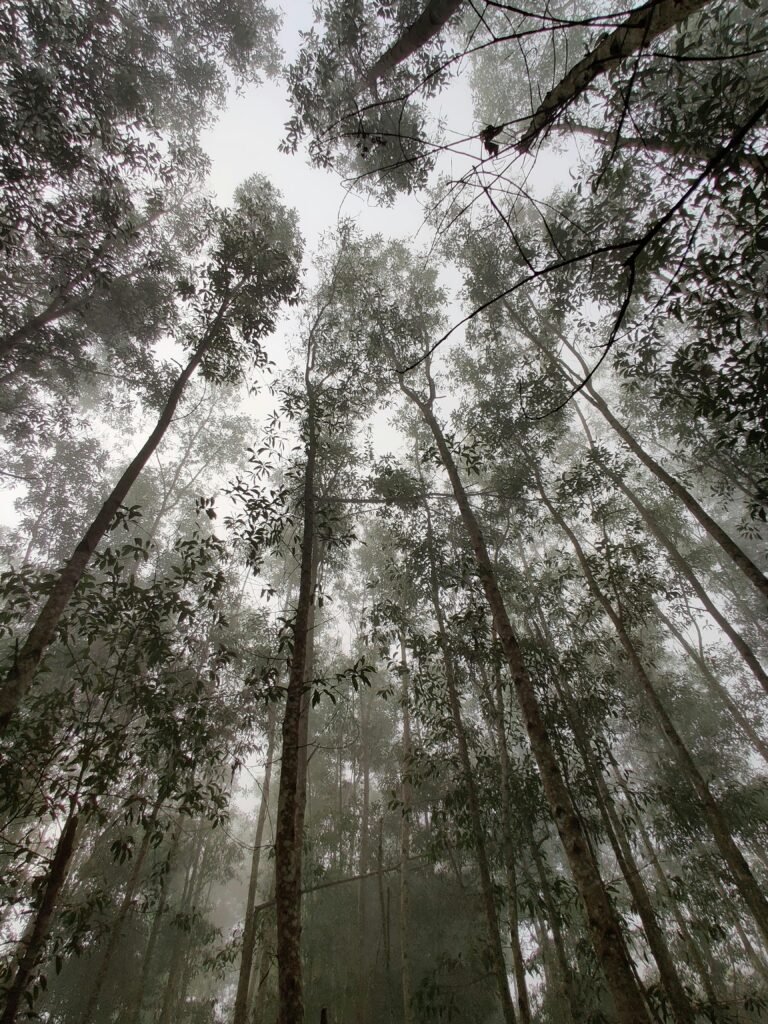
<point x="288" y="843"/>
<point x="32" y="944"/>
<point x="249" y="926"/>
<point x="604" y="928"/>
<point x="31" y="653"/>
<point x="731" y="854"/>
<point x="486" y="882"/>
<point x="435" y="15"/>
<point x="634" y="34"/>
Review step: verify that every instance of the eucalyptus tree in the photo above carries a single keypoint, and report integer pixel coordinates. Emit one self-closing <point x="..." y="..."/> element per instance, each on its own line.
<point x="251" y="269"/>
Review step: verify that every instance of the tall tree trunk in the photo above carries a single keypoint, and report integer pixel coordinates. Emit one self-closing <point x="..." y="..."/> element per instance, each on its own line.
<point x="604" y="928"/>
<point x="249" y="927"/>
<point x="496" y="703"/>
<point x="31" y="653"/>
<point x="118" y="921"/>
<point x="288" y="844"/>
<point x="486" y="881"/>
<point x="148" y="963"/>
<point x="32" y="944"/>
<point x="406" y="799"/>
<point x="558" y="939"/>
<point x="364" y="972"/>
<point x="731" y="854"/>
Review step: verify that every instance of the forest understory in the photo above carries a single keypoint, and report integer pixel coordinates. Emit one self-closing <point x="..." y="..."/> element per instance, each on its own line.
<point x="383" y="612"/>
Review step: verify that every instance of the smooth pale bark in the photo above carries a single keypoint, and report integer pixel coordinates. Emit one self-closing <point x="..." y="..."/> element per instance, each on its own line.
<point x="727" y="544"/>
<point x="288" y="843"/>
<point x="43" y="632"/>
<point x="681" y="1007"/>
<point x="118" y="921"/>
<point x="731" y="854"/>
<point x="686" y="572"/>
<point x="406" y="798"/>
<point x="33" y="942"/>
<point x="716" y="687"/>
<point x="249" y="926"/>
<point x="604" y="929"/>
<point x="486" y="881"/>
<point x="633" y="36"/>
<point x="435" y="15"/>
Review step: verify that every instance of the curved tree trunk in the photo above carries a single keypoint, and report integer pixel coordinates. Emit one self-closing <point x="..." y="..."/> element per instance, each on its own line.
<point x="604" y="928"/>
<point x="29" y="656"/>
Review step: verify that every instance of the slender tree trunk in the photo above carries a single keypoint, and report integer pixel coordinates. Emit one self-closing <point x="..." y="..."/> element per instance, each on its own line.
<point x="716" y="687"/>
<point x="692" y="949"/>
<point x="655" y="145"/>
<point x="604" y="928"/>
<point x="148" y="964"/>
<point x="406" y="798"/>
<point x="32" y="944"/>
<point x="682" y="1011"/>
<point x="558" y="940"/>
<point x="288" y="844"/>
<point x="486" y="881"/>
<point x="41" y="635"/>
<point x="682" y="566"/>
<point x="702" y="517"/>
<point x="249" y="927"/>
<point x="733" y="857"/>
<point x="119" y="920"/>
<point x="364" y="972"/>
<point x="496" y="703"/>
<point x="173" y="981"/>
